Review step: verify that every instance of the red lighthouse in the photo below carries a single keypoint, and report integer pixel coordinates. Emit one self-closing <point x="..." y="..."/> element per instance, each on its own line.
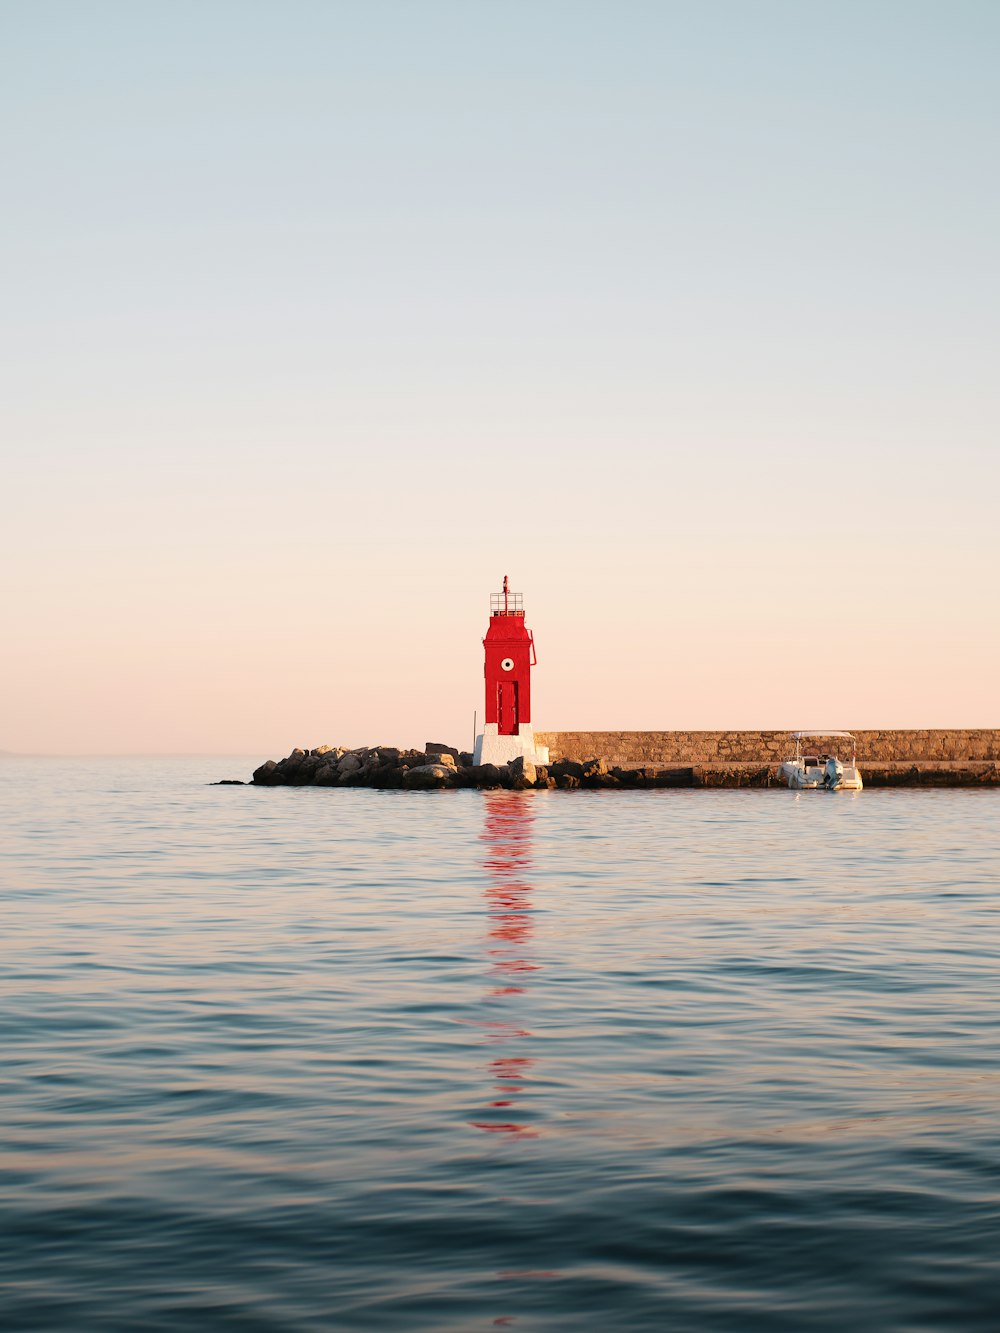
<point x="510" y="655"/>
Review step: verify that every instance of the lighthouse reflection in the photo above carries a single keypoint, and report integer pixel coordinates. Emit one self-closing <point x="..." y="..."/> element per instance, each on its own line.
<point x="506" y="836"/>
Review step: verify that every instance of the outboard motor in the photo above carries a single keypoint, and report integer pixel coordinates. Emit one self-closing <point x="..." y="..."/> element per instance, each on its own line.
<point x="833" y="774"/>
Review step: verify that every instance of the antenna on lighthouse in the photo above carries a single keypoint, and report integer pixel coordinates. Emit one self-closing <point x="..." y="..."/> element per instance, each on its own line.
<point x="506" y="590"/>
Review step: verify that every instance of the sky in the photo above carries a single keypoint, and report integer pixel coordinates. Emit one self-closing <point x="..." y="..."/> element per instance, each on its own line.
<point x="318" y="318"/>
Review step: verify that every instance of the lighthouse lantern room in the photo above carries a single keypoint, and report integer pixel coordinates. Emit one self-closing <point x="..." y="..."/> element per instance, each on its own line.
<point x="510" y="655"/>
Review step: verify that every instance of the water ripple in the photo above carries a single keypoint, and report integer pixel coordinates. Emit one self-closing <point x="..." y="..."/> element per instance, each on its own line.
<point x="312" y="1059"/>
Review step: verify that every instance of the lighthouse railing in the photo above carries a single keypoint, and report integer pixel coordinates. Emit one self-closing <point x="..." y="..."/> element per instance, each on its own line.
<point x="506" y="604"/>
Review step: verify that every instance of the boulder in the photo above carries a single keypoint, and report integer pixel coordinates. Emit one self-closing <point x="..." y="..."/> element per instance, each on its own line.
<point x="264" y="776"/>
<point x="485" y="775"/>
<point x="427" y="776"/>
<point x="286" y="768"/>
<point x="306" y="770"/>
<point x="349" y="762"/>
<point x="566" y="768"/>
<point x="361" y="776"/>
<point x="445" y="758"/>
<point x="434" y="747"/>
<point x="522" y="773"/>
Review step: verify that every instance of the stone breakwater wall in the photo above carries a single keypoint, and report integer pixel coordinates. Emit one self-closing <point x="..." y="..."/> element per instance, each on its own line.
<point x="664" y="748"/>
<point x="439" y="766"/>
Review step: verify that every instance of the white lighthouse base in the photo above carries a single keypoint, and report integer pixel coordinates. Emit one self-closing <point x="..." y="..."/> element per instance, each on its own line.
<point x="492" y="748"/>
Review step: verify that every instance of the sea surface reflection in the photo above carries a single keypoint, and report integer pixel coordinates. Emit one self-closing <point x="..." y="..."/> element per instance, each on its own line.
<point x="302" y="1059"/>
<point x="508" y="892"/>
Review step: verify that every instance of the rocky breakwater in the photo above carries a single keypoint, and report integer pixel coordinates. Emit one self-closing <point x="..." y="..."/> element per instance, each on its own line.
<point x="443" y="767"/>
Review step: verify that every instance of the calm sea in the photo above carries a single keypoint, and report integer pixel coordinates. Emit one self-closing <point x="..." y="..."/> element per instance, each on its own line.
<point x="309" y="1059"/>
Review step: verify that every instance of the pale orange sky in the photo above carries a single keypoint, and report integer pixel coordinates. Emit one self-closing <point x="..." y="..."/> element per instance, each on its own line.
<point x="311" y="335"/>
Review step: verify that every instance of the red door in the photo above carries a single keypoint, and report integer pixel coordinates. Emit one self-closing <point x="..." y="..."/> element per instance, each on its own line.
<point x="507" y="707"/>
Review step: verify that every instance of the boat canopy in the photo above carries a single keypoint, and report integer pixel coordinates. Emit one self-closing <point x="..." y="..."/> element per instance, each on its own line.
<point x="802" y="735"/>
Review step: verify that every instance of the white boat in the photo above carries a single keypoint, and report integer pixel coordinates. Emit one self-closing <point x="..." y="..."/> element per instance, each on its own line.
<point x="809" y="769"/>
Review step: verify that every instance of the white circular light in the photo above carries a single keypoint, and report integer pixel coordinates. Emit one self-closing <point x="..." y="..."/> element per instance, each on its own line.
<point x="508" y="664"/>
